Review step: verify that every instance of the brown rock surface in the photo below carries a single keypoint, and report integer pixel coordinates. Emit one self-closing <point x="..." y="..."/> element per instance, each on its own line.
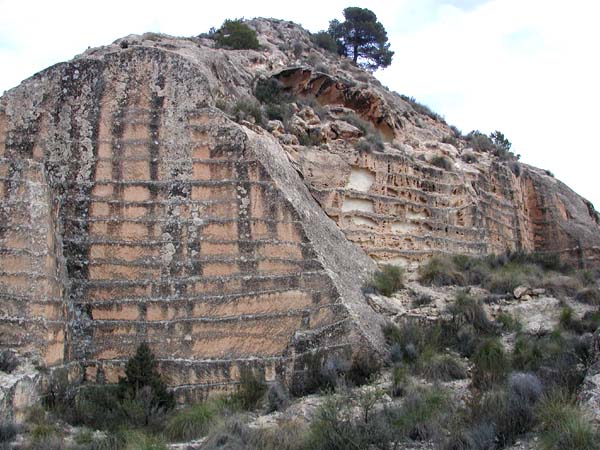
<point x="132" y="209"/>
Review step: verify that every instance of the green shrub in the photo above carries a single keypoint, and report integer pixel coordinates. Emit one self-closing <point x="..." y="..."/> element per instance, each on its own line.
<point x="513" y="274"/>
<point x="508" y="322"/>
<point x="311" y="377"/>
<point x="400" y="381"/>
<point x="84" y="437"/>
<point x="422" y="109"/>
<point x="236" y="35"/>
<point x="190" y="423"/>
<point x="440" y="271"/>
<point x="277" y="397"/>
<point x="563" y="425"/>
<point x="234" y="434"/>
<point x="412" y="338"/>
<point x="388" y="279"/>
<point x="468" y="157"/>
<point x="443" y="368"/>
<point x="561" y="286"/>
<point x="588" y="277"/>
<point x="442" y="162"/>
<point x="231" y="434"/>
<point x="510" y="409"/>
<point x="8" y="361"/>
<point x="589" y="296"/>
<point x="450" y="139"/>
<point x="270" y="90"/>
<point x="325" y="41"/>
<point x="8" y="431"/>
<point x="587" y="324"/>
<point x="478" y="436"/>
<point x="138" y="440"/>
<point x="468" y="310"/>
<point x="336" y="427"/>
<point x="364" y="126"/>
<point x="248" y="110"/>
<point x="422" y="300"/>
<point x="364" y="366"/>
<point x="251" y="390"/>
<point x="44" y="431"/>
<point x="480" y="142"/>
<point x="560" y="361"/>
<point x="491" y="364"/>
<point x="423" y="414"/>
<point x="309" y="138"/>
<point x="290" y="435"/>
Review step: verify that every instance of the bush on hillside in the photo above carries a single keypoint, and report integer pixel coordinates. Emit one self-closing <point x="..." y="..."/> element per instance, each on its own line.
<point x="325" y="41"/>
<point x="235" y="34"/>
<point x="388" y="280"/>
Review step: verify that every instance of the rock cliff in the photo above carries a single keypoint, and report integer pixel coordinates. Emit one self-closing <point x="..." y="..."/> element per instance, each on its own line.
<point x="135" y="208"/>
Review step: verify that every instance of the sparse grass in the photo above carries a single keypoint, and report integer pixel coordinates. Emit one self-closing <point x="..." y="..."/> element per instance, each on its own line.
<point x="509" y="322"/>
<point x="363" y="367"/>
<point x="400" y="381"/>
<point x="84" y="437"/>
<point x="139" y="440"/>
<point x="190" y="423"/>
<point x="513" y="274"/>
<point x="450" y="139"/>
<point x="251" y="389"/>
<point x="423" y="109"/>
<point x="423" y="413"/>
<point x="388" y="279"/>
<point x="587" y="324"/>
<point x="491" y="364"/>
<point x="468" y="310"/>
<point x="442" y="162"/>
<point x="440" y="367"/>
<point x="422" y="300"/>
<point x="440" y="271"/>
<point x="321" y="372"/>
<point x="589" y="296"/>
<point x="559" y="360"/>
<point x="277" y="397"/>
<point x="412" y="338"/>
<point x="248" y="110"/>
<point x="469" y="157"/>
<point x="501" y="274"/>
<point x="563" y="425"/>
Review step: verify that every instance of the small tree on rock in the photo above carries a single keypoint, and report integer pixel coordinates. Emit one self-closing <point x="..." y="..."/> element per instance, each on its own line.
<point x="362" y="38"/>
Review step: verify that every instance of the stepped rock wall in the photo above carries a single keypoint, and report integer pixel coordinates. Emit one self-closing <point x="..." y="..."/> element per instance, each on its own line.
<point x="178" y="227"/>
<point x="132" y="209"/>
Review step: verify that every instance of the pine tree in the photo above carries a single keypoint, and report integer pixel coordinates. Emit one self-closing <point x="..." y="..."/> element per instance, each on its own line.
<point x="362" y="38"/>
<point x="142" y="377"/>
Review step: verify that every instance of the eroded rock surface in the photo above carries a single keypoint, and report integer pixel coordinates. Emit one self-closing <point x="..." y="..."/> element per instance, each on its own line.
<point x="134" y="209"/>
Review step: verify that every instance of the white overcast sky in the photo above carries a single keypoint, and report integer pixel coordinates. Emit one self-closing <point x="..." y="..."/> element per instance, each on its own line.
<point x="530" y="68"/>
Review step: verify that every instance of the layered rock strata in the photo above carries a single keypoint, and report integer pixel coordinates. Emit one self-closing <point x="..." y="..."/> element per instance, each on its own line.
<point x="135" y="213"/>
<point x="133" y="208"/>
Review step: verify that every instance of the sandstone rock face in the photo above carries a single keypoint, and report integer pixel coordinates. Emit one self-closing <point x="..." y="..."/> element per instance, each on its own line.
<point x="401" y="209"/>
<point x="133" y="208"/>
